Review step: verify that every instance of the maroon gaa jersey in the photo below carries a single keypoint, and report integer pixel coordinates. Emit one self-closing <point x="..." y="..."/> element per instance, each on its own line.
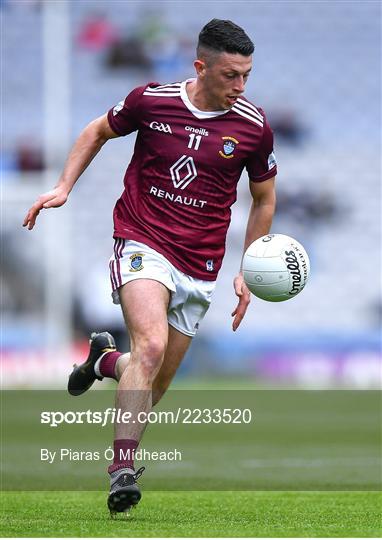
<point x="182" y="179"/>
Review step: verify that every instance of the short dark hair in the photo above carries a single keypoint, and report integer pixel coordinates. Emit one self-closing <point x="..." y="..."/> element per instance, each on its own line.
<point x="224" y="36"/>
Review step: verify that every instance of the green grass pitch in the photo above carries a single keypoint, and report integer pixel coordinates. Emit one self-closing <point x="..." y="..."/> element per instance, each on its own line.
<point x="198" y="514"/>
<point x="307" y="466"/>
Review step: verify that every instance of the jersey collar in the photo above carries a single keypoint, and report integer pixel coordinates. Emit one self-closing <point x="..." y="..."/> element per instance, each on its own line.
<point x="201" y="115"/>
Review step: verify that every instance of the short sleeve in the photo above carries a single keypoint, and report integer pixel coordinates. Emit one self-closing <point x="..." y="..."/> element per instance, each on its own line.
<point x="124" y="117"/>
<point x="262" y="164"/>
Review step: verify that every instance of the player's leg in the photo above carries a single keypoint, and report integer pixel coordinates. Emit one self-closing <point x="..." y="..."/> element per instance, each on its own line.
<point x="177" y="346"/>
<point x="144" y="305"/>
<point x="187" y="309"/>
<point x="188" y="305"/>
<point x="124" y="266"/>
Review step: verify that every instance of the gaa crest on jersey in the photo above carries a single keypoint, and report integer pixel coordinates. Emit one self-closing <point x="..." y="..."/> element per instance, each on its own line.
<point x="136" y="262"/>
<point x="229" y="145"/>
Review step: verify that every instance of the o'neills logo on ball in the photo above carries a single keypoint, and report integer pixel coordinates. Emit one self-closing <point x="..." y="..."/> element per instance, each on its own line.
<point x="295" y="271"/>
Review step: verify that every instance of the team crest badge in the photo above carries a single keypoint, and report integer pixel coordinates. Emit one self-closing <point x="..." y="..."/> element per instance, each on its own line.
<point x="229" y="145"/>
<point x="136" y="262"/>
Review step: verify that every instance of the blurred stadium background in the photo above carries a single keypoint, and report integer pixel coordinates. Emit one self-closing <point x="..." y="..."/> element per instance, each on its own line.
<point x="317" y="69"/>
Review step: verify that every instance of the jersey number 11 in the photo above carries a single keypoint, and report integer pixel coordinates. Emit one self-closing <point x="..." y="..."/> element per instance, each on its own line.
<point x="194" y="141"/>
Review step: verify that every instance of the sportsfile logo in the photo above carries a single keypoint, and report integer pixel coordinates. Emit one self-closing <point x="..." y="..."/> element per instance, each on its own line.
<point x="159" y="126"/>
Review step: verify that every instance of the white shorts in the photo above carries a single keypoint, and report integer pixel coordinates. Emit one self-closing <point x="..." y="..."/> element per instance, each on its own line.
<point x="190" y="297"/>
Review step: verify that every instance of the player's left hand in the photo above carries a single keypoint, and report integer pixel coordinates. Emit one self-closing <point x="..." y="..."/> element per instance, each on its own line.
<point x="244" y="295"/>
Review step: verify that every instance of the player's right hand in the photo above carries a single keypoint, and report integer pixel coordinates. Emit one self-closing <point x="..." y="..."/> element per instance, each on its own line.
<point x="51" y="199"/>
<point x="242" y="292"/>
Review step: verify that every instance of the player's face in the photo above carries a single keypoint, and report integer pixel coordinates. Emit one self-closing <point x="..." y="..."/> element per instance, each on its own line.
<point x="224" y="79"/>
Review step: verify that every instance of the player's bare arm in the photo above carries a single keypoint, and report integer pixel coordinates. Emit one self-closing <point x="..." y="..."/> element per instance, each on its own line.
<point x="84" y="150"/>
<point x="259" y="223"/>
<point x="262" y="210"/>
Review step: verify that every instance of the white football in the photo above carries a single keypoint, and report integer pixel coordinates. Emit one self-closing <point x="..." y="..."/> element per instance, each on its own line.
<point x="275" y="267"/>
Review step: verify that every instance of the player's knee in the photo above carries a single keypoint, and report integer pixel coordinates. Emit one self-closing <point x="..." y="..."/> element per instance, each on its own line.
<point x="150" y="356"/>
<point x="154" y="349"/>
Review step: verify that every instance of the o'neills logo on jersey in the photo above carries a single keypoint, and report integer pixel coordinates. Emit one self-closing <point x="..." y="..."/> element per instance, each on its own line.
<point x="197" y="131"/>
<point x="229" y="145"/>
<point x="159" y="126"/>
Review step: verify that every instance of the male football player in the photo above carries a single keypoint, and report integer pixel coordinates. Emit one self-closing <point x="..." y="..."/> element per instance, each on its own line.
<point x="194" y="138"/>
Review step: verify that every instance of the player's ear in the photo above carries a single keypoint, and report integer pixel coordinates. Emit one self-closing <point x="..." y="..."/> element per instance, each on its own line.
<point x="200" y="67"/>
